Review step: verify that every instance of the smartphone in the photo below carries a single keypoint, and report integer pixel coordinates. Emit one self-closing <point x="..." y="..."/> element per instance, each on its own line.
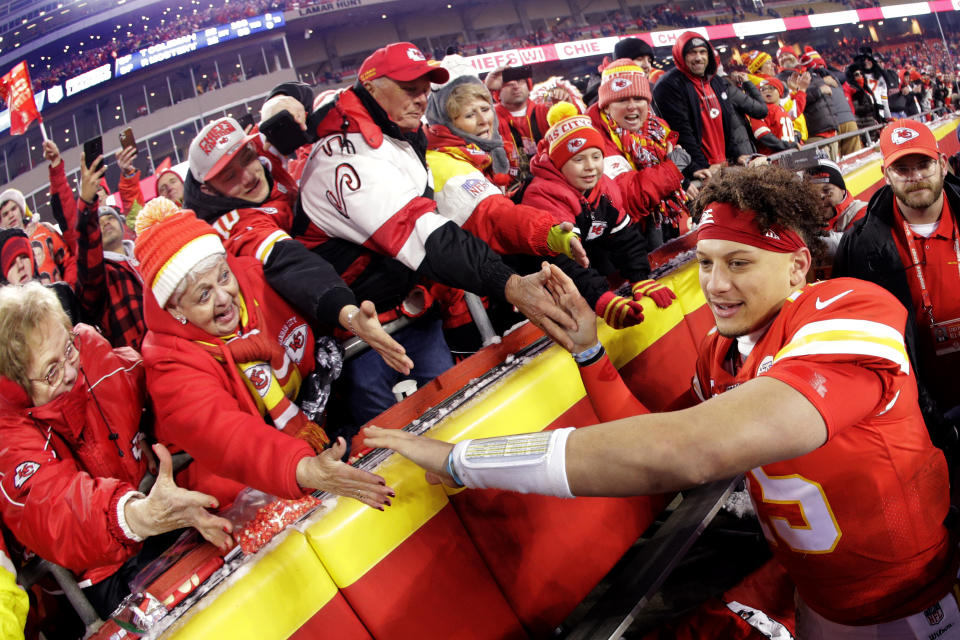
<point x="246" y="120"/>
<point x="127" y="139"/>
<point x="517" y="73"/>
<point x="284" y="133"/>
<point x="91" y="149"/>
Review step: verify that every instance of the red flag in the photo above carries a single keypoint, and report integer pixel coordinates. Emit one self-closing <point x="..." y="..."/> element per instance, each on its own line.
<point x="16" y="91"/>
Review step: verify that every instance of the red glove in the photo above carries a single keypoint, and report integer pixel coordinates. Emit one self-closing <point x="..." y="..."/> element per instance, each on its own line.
<point x="661" y="294"/>
<point x="619" y="312"/>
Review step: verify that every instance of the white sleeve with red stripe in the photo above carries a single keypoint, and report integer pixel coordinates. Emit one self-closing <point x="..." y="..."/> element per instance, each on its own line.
<point x="372" y="197"/>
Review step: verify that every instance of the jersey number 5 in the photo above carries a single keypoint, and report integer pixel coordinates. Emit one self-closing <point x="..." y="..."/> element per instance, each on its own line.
<point x="798" y="511"/>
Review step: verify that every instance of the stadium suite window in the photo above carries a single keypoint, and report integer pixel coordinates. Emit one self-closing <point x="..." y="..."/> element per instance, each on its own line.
<point x="182" y="137"/>
<point x="276" y="56"/>
<point x="253" y="107"/>
<point x="62" y="132"/>
<point x="205" y="75"/>
<point x="134" y="101"/>
<point x="88" y="126"/>
<point x="111" y="113"/>
<point x="158" y="93"/>
<point x="35" y="145"/>
<point x="254" y="64"/>
<point x="18" y="161"/>
<point x="161" y="146"/>
<point x="3" y="166"/>
<point x="182" y="85"/>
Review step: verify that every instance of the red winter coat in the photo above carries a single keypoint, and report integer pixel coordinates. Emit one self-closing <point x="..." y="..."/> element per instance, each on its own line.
<point x="599" y="219"/>
<point x="63" y="476"/>
<point x="204" y="407"/>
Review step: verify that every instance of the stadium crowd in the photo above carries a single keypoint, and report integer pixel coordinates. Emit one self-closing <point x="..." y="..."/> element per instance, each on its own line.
<point x="209" y="317"/>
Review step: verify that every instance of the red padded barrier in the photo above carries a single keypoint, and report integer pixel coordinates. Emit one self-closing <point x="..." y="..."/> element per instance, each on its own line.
<point x="548" y="553"/>
<point x="335" y="620"/>
<point x="433" y="585"/>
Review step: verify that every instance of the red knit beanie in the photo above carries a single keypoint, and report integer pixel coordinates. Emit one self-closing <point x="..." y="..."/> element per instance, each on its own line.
<point x="773" y="82"/>
<point x="622" y="79"/>
<point x="17" y="244"/>
<point x="170" y="242"/>
<point x="811" y="58"/>
<point x="569" y="133"/>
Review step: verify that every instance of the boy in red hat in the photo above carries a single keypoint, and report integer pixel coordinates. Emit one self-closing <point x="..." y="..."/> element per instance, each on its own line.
<point x="568" y="179"/>
<point x="775" y="132"/>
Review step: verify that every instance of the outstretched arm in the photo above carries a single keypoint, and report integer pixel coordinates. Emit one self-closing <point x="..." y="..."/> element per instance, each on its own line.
<point x="655" y="453"/>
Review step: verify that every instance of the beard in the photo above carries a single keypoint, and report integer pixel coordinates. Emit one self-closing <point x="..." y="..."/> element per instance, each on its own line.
<point x="920" y="195"/>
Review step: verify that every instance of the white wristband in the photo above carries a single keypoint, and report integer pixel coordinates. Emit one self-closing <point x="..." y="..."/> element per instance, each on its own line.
<point x="526" y="462"/>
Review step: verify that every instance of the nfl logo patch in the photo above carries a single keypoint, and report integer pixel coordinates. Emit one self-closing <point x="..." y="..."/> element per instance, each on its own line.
<point x="934" y="614"/>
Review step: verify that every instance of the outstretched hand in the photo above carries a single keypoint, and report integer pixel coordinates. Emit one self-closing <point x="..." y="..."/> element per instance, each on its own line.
<point x="365" y="324"/>
<point x="565" y="293"/>
<point x="562" y="239"/>
<point x="169" y="507"/>
<point x="327" y="472"/>
<point x="531" y="298"/>
<point x="425" y="452"/>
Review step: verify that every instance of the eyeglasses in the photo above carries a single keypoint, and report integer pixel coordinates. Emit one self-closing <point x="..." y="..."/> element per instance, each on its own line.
<point x="924" y="167"/>
<point x="54" y="374"/>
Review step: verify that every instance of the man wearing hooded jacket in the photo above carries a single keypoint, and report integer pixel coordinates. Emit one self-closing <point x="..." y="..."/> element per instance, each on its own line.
<point x="693" y="101"/>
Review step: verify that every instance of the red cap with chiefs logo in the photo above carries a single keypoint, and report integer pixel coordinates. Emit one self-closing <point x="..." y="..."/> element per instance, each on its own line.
<point x="569" y="134"/>
<point x="904" y="137"/>
<point x="215" y="146"/>
<point x="401" y="61"/>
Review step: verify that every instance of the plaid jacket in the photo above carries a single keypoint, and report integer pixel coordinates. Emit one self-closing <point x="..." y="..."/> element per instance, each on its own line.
<point x="109" y="286"/>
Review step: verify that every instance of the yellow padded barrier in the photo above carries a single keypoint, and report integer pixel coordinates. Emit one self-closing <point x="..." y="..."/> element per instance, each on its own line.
<point x="352" y="538"/>
<point x="281" y="591"/>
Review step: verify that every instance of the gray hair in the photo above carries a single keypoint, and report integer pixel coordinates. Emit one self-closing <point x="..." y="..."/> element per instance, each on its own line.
<point x="193" y="275"/>
<point x="23" y="308"/>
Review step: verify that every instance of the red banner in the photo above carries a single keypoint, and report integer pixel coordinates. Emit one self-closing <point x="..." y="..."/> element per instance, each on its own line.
<point x="16" y="91"/>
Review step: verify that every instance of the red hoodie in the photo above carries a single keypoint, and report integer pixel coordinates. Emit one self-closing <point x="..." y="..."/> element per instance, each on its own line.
<point x="204" y="407"/>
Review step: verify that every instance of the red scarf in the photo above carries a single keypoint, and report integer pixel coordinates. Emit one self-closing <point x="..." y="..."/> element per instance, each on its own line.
<point x="440" y="138"/>
<point x="645" y="148"/>
<point x="270" y="374"/>
<point x="711" y="115"/>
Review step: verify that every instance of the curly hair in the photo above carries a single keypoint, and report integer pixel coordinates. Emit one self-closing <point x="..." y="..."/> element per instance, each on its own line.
<point x="778" y="196"/>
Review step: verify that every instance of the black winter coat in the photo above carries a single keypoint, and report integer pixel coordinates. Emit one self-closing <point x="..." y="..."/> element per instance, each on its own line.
<point x="747" y="102"/>
<point x="869" y="252"/>
<point x="819" y="110"/>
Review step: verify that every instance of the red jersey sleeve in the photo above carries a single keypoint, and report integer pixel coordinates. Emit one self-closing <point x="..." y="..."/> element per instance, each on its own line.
<point x="845" y="350"/>
<point x="608" y="393"/>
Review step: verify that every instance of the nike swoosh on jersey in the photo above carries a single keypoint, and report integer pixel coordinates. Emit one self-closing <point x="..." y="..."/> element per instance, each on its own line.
<point x="823" y="304"/>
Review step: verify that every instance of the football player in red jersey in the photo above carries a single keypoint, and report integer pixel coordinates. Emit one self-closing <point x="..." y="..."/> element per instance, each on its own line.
<point x="806" y="387"/>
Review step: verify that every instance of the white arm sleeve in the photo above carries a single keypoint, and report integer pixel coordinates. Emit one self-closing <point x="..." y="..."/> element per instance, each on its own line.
<point x="527" y="463"/>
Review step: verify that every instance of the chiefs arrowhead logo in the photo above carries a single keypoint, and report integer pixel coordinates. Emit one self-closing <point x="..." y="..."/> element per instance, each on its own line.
<point x="296" y="342"/>
<point x="619" y="84"/>
<point x="574" y="145"/>
<point x="707" y="217"/>
<point x="714" y="113"/>
<point x="23" y="472"/>
<point x="901" y="135"/>
<point x="259" y="376"/>
<point x="415" y="54"/>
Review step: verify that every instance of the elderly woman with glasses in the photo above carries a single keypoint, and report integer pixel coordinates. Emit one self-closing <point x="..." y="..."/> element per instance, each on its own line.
<point x="73" y="452"/>
<point x="226" y="356"/>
